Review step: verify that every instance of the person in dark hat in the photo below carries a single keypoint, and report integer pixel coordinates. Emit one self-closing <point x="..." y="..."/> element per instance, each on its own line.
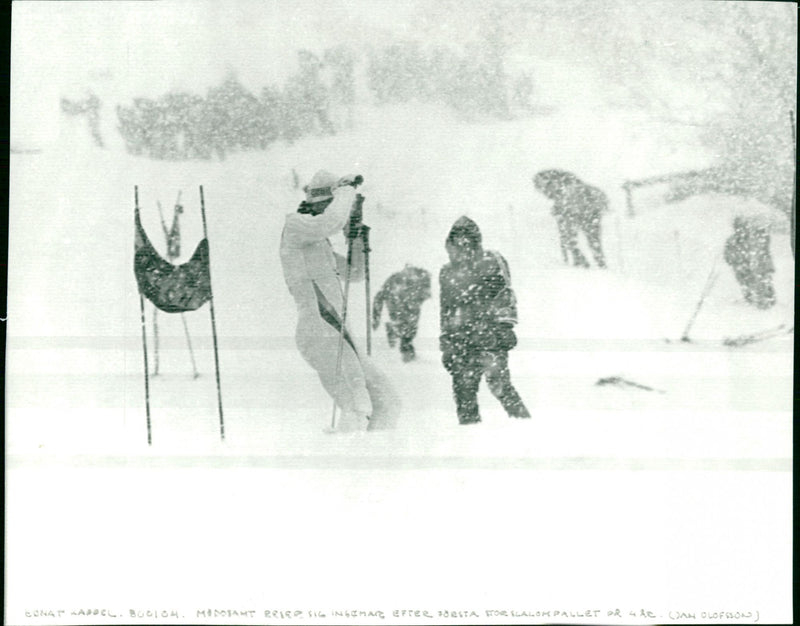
<point x="577" y="207"/>
<point x="478" y="312"/>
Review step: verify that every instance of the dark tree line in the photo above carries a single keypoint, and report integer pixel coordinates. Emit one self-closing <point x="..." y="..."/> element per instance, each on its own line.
<point x="318" y="98"/>
<point x="230" y="118"/>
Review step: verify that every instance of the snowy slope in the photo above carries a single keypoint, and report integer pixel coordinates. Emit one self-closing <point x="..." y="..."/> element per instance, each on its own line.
<point x="75" y="352"/>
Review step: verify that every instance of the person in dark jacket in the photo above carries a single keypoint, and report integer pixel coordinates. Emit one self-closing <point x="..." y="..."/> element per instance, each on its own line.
<point x="477" y="316"/>
<point x="403" y="292"/>
<point x="577" y="206"/>
<point x="747" y="251"/>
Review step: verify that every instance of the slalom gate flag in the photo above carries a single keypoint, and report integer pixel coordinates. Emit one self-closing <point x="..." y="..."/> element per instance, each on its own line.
<point x="171" y="288"/>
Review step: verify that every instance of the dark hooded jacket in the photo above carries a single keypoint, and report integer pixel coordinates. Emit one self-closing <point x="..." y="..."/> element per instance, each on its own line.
<point x="477" y="305"/>
<point x="747" y="250"/>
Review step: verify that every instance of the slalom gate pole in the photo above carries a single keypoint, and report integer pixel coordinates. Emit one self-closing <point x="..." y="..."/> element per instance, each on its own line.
<point x="163" y="222"/>
<point x="146" y="377"/>
<point x="712" y="277"/>
<point x="213" y="322"/>
<point x="189" y="341"/>
<point x="155" y="340"/>
<point x="794" y="187"/>
<point x="340" y="349"/>
<point x="365" y="238"/>
<point x="620" y="258"/>
<point x="155" y="309"/>
<point x="144" y="344"/>
<point x="628" y="198"/>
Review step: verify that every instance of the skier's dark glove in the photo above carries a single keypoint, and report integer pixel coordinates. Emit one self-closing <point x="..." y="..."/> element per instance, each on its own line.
<point x="352" y="228"/>
<point x="355" y="231"/>
<point x="445" y="343"/>
<point x="449" y="359"/>
<point x="449" y="352"/>
<point x="505" y="337"/>
<point x="350" y="180"/>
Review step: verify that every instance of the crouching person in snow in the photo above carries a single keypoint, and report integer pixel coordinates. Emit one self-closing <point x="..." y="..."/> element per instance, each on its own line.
<point x="478" y="312"/>
<point x="403" y="292"/>
<point x="313" y="274"/>
<point x="576" y="207"/>
<point x="747" y="251"/>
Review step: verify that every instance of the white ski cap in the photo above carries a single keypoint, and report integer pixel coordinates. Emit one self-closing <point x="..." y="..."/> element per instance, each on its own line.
<point x="321" y="187"/>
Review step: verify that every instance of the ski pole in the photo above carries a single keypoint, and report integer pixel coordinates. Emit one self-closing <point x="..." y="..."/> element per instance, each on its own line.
<point x="155" y="309"/>
<point x="155" y="339"/>
<point x="173" y="236"/>
<point x="712" y="277"/>
<point x="189" y="342"/>
<point x="365" y="238"/>
<point x="163" y="221"/>
<point x="340" y="349"/>
<point x="144" y="341"/>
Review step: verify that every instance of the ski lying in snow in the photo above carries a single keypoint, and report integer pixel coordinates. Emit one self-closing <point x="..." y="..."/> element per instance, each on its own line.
<point x="683" y="339"/>
<point x="622" y="382"/>
<point x="743" y="340"/>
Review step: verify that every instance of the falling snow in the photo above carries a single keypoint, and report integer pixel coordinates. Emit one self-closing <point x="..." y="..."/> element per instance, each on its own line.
<point x="676" y="115"/>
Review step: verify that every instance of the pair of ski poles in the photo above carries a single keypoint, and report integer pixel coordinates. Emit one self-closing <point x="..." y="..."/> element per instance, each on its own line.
<point x="173" y="237"/>
<point x="356" y="230"/>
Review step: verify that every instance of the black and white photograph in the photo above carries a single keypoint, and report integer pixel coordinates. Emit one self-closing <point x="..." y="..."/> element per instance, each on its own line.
<point x="400" y="312"/>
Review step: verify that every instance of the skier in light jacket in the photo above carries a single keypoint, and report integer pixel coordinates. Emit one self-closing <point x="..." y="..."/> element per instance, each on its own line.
<point x="313" y="274"/>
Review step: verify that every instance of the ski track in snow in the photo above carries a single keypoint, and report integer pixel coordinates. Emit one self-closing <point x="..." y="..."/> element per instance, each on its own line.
<point x="75" y="370"/>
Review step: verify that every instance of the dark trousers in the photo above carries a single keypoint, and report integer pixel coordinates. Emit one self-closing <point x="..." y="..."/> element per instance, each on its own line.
<point x="757" y="288"/>
<point x="467" y="373"/>
<point x="403" y="325"/>
<point x="592" y="230"/>
<point x="568" y="227"/>
<point x="407" y="348"/>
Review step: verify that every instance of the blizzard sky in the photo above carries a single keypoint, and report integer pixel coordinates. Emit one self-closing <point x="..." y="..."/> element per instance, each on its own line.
<point x="125" y="49"/>
<point x="120" y="50"/>
<point x="149" y="48"/>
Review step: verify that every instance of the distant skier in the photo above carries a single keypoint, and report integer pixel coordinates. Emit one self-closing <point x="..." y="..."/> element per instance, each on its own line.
<point x="747" y="251"/>
<point x="577" y="206"/>
<point x="90" y="107"/>
<point x="403" y="292"/>
<point x="312" y="271"/>
<point x="478" y="312"/>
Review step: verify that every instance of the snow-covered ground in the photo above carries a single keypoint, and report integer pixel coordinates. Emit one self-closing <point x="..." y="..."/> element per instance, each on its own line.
<point x="75" y="363"/>
<point x="563" y="492"/>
